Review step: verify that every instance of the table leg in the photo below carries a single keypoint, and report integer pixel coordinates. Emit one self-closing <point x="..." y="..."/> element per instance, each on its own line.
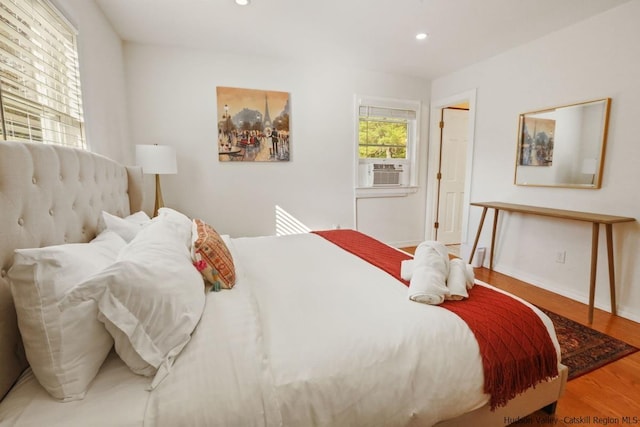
<point x="493" y="237"/>
<point x="475" y="243"/>
<point x="594" y="265"/>
<point x="612" y="277"/>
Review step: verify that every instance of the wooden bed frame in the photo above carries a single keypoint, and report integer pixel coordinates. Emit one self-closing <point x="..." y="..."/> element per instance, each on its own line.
<point x="53" y="195"/>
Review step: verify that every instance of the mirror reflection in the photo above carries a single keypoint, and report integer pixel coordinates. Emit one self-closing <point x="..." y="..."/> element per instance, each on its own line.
<point x="563" y="146"/>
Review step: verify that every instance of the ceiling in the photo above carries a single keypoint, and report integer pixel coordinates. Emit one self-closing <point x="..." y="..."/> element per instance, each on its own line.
<point x="370" y="34"/>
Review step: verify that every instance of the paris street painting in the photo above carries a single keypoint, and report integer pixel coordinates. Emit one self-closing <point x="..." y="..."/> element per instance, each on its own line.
<point x="253" y="125"/>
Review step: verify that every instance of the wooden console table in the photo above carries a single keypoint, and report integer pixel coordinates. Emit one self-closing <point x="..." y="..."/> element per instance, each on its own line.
<point x="594" y="218"/>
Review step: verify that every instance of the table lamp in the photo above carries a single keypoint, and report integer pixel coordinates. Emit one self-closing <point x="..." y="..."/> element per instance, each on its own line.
<point x="158" y="160"/>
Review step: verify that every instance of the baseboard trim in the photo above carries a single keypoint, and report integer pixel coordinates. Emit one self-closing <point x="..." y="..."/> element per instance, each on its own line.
<point x="579" y="297"/>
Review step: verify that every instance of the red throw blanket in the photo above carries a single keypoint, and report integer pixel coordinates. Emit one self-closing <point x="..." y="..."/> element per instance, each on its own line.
<point x="517" y="352"/>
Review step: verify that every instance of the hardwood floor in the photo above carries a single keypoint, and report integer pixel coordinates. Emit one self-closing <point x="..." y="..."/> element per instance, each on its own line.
<point x="607" y="396"/>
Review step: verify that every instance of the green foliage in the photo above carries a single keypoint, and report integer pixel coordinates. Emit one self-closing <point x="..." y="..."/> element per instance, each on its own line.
<point x="382" y="139"/>
<point x="281" y="123"/>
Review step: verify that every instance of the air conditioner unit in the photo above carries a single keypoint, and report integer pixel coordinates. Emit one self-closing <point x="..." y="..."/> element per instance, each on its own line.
<point x="385" y="174"/>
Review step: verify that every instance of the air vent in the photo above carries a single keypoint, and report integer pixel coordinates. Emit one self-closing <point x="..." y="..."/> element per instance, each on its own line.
<point x="386" y="174"/>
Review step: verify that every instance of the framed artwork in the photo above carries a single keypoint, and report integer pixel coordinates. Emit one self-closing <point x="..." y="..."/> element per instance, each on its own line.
<point x="253" y="125"/>
<point x="536" y="141"/>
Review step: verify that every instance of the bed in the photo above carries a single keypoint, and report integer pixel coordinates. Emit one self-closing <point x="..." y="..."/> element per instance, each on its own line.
<point x="310" y="334"/>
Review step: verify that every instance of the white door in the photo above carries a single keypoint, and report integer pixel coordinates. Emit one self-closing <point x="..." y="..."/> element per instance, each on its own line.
<point x="452" y="169"/>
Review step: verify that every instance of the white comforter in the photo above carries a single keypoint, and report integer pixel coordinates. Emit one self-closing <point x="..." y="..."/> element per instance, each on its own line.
<point x="309" y="336"/>
<point x="314" y="336"/>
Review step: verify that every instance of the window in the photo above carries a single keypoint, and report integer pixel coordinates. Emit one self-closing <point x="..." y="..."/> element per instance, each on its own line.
<point x="40" y="99"/>
<point x="383" y="132"/>
<point x="387" y="140"/>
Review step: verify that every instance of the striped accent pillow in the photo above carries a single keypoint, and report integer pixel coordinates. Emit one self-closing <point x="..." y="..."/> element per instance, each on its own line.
<point x="212" y="257"/>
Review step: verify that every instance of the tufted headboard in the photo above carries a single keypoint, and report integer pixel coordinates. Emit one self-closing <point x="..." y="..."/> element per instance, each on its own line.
<point x="51" y="195"/>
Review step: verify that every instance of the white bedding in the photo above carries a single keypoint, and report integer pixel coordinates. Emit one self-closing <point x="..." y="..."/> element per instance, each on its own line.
<point x="116" y="397"/>
<point x="310" y="335"/>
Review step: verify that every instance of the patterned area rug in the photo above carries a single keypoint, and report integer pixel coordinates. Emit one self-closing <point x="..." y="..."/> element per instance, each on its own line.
<point x="584" y="349"/>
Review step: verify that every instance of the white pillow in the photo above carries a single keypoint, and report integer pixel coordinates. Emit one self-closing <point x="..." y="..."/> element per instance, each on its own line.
<point x="126" y="227"/>
<point x="151" y="298"/>
<point x="182" y="223"/>
<point x="65" y="350"/>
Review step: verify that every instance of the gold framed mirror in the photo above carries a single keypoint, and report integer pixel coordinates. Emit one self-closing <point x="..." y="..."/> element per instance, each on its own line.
<point x="563" y="146"/>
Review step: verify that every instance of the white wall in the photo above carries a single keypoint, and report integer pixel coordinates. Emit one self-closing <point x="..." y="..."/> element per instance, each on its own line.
<point x="172" y="101"/>
<point x="102" y="80"/>
<point x="597" y="58"/>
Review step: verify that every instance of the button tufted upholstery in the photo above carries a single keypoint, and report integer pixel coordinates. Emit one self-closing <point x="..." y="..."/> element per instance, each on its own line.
<point x="52" y="195"/>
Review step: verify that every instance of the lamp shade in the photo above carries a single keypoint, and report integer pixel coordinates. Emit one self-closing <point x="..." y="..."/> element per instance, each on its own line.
<point x="157" y="159"/>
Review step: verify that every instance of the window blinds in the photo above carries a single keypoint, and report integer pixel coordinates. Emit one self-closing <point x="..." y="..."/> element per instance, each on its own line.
<point x="39" y="75"/>
<point x="389" y="114"/>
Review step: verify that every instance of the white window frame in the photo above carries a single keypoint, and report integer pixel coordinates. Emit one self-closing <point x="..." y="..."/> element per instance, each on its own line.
<point x="40" y="96"/>
<point x="410" y="164"/>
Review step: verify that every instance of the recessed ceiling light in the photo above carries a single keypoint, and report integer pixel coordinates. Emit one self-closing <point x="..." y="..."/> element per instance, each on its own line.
<point x="421" y="36"/>
<point x="243" y="2"/>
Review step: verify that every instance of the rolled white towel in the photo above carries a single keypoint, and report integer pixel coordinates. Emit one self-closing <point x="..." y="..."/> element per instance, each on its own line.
<point x="439" y="247"/>
<point x="471" y="278"/>
<point x="459" y="281"/>
<point x="406" y="269"/>
<point x="407" y="266"/>
<point x="429" y="279"/>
